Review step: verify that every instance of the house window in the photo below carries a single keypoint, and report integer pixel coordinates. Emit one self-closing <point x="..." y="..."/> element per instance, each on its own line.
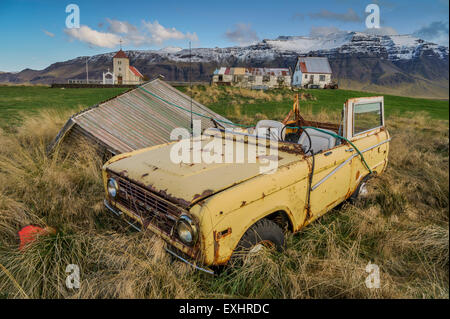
<point x="306" y="76"/>
<point x="322" y="78"/>
<point x="312" y="77"/>
<point x="220" y="78"/>
<point x="266" y="78"/>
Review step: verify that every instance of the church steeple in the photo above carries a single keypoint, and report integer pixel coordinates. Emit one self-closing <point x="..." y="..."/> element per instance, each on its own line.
<point x="120" y="55"/>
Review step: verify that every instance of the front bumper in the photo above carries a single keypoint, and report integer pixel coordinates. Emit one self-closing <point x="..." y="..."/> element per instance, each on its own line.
<point x="137" y="227"/>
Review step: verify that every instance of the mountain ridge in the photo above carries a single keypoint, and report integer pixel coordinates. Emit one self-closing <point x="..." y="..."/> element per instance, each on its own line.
<point x="400" y="63"/>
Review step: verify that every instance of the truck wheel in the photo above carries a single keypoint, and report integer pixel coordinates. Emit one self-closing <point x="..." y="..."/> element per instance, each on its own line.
<point x="263" y="234"/>
<point x="361" y="191"/>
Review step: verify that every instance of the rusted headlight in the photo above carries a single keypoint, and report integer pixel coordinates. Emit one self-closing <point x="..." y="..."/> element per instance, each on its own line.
<point x="113" y="187"/>
<point x="187" y="230"/>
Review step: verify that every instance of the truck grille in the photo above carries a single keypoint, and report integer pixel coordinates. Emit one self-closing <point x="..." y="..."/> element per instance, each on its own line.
<point x="151" y="208"/>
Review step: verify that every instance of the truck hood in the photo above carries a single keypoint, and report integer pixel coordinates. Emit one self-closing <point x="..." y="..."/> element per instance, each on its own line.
<point x="188" y="183"/>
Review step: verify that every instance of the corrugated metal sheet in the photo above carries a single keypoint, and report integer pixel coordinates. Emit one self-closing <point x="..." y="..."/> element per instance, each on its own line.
<point x="137" y="119"/>
<point x="315" y="64"/>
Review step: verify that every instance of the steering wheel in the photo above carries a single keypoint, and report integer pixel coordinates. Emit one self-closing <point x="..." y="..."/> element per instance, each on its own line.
<point x="307" y="135"/>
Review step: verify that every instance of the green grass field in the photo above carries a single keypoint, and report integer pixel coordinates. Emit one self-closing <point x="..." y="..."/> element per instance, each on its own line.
<point x="326" y="100"/>
<point x="17" y="101"/>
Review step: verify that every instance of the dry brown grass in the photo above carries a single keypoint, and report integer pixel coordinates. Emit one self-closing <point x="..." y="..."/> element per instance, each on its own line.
<point x="211" y="94"/>
<point x="402" y="227"/>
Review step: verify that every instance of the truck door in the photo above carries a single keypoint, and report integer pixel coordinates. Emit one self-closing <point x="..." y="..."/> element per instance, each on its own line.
<point x="331" y="180"/>
<point x="338" y="171"/>
<point x="365" y="128"/>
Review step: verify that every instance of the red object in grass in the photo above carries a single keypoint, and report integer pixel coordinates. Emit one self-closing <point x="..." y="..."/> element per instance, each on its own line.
<point x="28" y="234"/>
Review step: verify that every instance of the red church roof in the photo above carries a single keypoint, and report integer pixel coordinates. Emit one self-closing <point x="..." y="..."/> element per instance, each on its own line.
<point x="136" y="72"/>
<point x="121" y="54"/>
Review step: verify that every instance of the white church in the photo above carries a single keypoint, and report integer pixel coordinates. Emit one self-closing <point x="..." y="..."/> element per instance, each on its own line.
<point x="123" y="72"/>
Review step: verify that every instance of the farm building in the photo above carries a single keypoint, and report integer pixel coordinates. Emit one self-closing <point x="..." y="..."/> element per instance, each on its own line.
<point x="253" y="78"/>
<point x="312" y="72"/>
<point x="138" y="118"/>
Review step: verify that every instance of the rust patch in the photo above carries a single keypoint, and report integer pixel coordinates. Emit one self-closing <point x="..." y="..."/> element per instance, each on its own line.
<point x="243" y="203"/>
<point x="123" y="173"/>
<point x="331" y="204"/>
<point x="223" y="233"/>
<point x="349" y="193"/>
<point x="216" y="247"/>
<point x="269" y="157"/>
<point x="201" y="203"/>
<point x="204" y="194"/>
<point x="291" y="148"/>
<point x="357" y="175"/>
<point x="143" y="175"/>
<point x="163" y="193"/>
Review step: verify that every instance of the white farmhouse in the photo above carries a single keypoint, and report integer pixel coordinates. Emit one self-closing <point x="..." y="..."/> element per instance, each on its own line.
<point x="312" y="72"/>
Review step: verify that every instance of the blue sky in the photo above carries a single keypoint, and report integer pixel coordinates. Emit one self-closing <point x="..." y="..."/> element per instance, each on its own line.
<point x="33" y="34"/>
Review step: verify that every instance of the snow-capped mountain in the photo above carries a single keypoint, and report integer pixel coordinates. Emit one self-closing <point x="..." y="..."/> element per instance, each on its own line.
<point x="392" y="63"/>
<point x="392" y="47"/>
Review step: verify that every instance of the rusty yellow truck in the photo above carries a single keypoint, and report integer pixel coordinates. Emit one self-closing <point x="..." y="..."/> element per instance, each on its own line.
<point x="208" y="212"/>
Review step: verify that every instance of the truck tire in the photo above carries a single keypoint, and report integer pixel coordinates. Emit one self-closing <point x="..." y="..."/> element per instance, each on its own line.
<point x="360" y="191"/>
<point x="264" y="233"/>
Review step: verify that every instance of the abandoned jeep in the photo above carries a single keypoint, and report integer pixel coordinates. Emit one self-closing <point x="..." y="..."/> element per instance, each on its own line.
<point x="209" y="213"/>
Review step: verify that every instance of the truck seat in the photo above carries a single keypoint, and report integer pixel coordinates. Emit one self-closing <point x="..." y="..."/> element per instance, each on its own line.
<point x="272" y="126"/>
<point x="320" y="141"/>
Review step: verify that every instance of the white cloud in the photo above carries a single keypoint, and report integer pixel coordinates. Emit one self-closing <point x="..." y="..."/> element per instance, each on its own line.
<point x="150" y="33"/>
<point x="382" y="31"/>
<point x="159" y="34"/>
<point x="324" y="31"/>
<point x="93" y="37"/>
<point x="117" y="26"/>
<point x="242" y="34"/>
<point x="51" y="35"/>
<point x="436" y="32"/>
